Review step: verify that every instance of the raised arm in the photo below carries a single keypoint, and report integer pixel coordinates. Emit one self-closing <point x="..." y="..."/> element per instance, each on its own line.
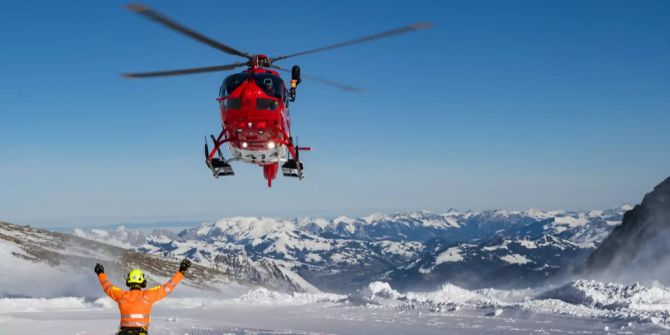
<point x="159" y="292"/>
<point x="111" y="290"/>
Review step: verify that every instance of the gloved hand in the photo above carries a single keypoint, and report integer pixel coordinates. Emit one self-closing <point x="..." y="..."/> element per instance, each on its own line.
<point x="99" y="269"/>
<point x="185" y="264"/>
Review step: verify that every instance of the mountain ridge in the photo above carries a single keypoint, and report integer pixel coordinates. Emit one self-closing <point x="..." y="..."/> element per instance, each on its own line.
<point x="640" y="243"/>
<point x="343" y="253"/>
<point x="70" y="256"/>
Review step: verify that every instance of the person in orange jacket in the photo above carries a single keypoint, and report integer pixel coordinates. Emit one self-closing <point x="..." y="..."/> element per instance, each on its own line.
<point x="135" y="304"/>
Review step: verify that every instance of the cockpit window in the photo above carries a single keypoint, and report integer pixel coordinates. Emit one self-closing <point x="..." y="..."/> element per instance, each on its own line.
<point x="266" y="104"/>
<point x="232" y="82"/>
<point x="231" y="103"/>
<point x="270" y="84"/>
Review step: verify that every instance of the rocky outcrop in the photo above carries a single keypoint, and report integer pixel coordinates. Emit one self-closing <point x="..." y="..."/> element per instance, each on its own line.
<point x="638" y="249"/>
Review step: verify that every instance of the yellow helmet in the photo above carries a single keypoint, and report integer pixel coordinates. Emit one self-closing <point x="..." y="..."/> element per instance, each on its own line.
<point x="135" y="276"/>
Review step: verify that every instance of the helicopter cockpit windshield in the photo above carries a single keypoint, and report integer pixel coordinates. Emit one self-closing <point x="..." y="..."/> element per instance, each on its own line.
<point x="270" y="84"/>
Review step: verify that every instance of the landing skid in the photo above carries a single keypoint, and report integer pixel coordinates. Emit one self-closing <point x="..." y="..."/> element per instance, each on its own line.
<point x="219" y="165"/>
<point x="292" y="168"/>
<point x="220" y="168"/>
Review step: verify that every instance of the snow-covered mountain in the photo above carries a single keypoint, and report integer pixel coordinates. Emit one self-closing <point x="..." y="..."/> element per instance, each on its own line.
<point x="509" y="249"/>
<point x="66" y="262"/>
<point x="501" y="262"/>
<point x="470" y="263"/>
<point x="411" y="249"/>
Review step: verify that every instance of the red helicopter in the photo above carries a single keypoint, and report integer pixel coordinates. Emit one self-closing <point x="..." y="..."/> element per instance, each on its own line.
<point x="254" y="104"/>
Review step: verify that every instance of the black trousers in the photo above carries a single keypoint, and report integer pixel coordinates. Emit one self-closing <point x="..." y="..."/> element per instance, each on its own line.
<point x="133" y="331"/>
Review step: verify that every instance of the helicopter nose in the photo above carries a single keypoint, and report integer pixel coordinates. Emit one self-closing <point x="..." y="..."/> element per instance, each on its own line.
<point x="249" y="96"/>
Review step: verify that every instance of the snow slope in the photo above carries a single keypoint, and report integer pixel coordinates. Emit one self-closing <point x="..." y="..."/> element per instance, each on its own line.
<point x="49" y="264"/>
<point x="622" y="305"/>
<point x="577" y="307"/>
<point x="28" y="306"/>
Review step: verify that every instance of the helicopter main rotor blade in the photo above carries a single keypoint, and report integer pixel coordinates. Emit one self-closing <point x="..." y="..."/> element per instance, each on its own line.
<point x="397" y="31"/>
<point x="155" y="16"/>
<point x="183" y="71"/>
<point x="324" y="81"/>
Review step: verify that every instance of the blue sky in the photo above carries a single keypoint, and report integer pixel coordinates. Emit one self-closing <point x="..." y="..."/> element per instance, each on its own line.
<point x="513" y="104"/>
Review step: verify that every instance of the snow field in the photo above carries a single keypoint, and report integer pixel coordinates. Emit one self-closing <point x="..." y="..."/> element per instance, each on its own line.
<point x="621" y="308"/>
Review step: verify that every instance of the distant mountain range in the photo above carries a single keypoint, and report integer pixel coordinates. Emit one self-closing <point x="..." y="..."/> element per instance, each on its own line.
<point x="418" y="249"/>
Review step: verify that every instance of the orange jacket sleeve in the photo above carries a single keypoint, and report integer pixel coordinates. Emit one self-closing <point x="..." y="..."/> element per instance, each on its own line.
<point x="159" y="292"/>
<point x="112" y="291"/>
